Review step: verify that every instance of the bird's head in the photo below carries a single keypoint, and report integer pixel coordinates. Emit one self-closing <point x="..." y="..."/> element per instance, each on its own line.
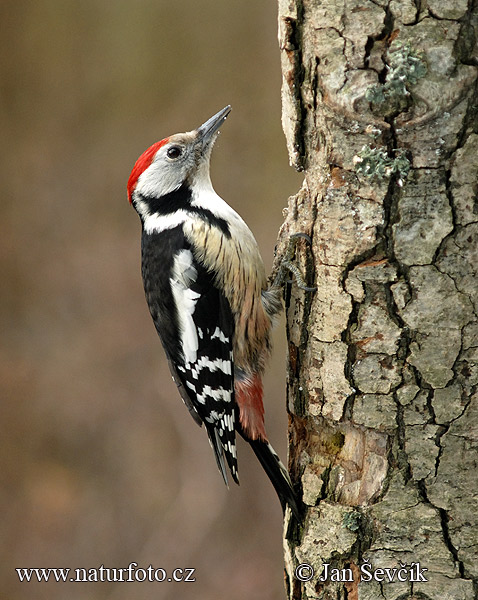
<point x="176" y="160"/>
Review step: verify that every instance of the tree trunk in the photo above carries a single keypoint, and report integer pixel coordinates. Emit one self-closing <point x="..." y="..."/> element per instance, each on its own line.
<point x="379" y="111"/>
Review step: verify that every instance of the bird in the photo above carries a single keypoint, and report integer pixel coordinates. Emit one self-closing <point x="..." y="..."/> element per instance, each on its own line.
<point x="207" y="292"/>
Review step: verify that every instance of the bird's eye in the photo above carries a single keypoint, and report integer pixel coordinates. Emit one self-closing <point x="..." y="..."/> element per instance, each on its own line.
<point x="174" y="152"/>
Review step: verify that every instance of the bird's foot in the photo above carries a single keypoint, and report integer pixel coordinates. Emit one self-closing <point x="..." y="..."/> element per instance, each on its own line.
<point x="289" y="266"/>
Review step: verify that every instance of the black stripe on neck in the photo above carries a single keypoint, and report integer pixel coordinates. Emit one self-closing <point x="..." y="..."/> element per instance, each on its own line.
<point x="169" y="203"/>
<point x="181" y="199"/>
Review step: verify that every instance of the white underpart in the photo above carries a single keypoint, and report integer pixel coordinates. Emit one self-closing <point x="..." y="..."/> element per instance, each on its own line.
<point x="243" y="249"/>
<point x="204" y="196"/>
<point x="183" y="274"/>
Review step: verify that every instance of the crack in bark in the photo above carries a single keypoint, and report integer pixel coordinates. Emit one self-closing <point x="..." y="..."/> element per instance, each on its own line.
<point x="465" y="42"/>
<point x="432" y="15"/>
<point x="295" y="38"/>
<point x="444" y="429"/>
<point x="444" y="520"/>
<point x="418" y="6"/>
<point x="402" y="457"/>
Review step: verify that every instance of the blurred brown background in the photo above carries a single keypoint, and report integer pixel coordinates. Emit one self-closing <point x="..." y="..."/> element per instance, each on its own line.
<point x="100" y="462"/>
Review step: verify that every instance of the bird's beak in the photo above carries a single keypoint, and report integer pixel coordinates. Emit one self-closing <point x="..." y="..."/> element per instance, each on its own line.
<point x="207" y="131"/>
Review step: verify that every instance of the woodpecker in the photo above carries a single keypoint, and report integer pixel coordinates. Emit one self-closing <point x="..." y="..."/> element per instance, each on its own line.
<point x="206" y="288"/>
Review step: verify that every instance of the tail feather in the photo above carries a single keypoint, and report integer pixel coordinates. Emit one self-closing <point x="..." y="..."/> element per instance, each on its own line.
<point x="221" y="451"/>
<point x="277" y="473"/>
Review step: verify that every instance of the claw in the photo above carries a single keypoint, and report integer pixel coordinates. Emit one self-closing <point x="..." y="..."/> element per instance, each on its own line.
<point x="294" y="269"/>
<point x="288" y="265"/>
<point x="300" y="234"/>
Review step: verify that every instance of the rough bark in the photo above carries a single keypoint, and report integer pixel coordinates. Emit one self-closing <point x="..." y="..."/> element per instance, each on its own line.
<point x="379" y="111"/>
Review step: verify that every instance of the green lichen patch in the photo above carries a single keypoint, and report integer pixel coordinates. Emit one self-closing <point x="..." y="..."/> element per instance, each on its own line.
<point x="377" y="164"/>
<point x="405" y="66"/>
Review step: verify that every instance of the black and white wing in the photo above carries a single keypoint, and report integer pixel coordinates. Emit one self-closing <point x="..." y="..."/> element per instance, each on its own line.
<point x="206" y="370"/>
<point x="194" y="321"/>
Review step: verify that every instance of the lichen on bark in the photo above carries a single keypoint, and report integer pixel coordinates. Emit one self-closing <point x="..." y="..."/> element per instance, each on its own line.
<point x="383" y="371"/>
